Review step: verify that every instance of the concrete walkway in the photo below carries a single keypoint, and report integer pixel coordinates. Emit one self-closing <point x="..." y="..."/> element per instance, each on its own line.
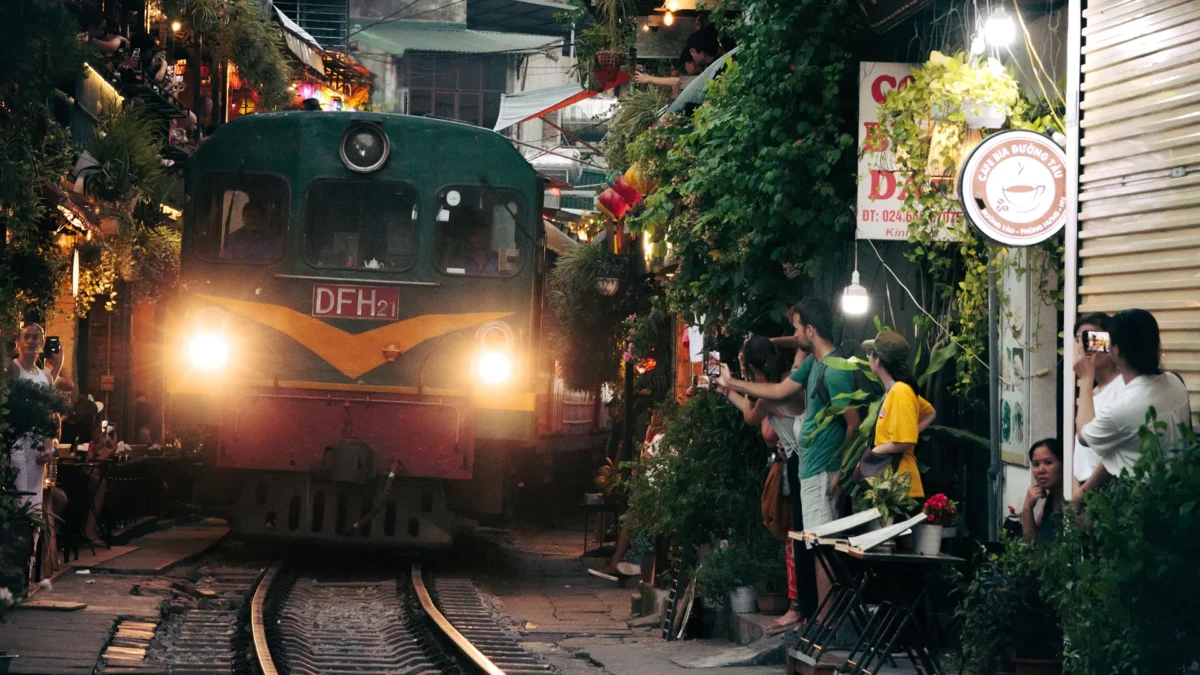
<point x="64" y="628"/>
<point x="581" y="623"/>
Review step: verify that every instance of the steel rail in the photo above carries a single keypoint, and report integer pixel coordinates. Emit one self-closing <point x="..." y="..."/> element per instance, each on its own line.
<point x="464" y="646"/>
<point x="258" y="627"/>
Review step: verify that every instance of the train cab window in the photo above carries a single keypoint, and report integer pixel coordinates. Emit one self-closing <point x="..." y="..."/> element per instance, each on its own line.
<point x="361" y="225"/>
<point x="243" y="219"/>
<point x="477" y="231"/>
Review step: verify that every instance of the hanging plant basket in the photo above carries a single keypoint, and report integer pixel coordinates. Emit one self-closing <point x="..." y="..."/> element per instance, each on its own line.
<point x="608" y="286"/>
<point x="984" y="115"/>
<point x="610" y="59"/>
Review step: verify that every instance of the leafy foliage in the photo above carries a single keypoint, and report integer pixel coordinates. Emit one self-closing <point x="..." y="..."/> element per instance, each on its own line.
<point x="130" y="180"/>
<point x="611" y="26"/>
<point x="1125" y="584"/>
<point x="637" y="112"/>
<point x="755" y="559"/>
<point x="924" y="125"/>
<point x="38" y="49"/>
<point x="888" y="492"/>
<point x="586" y="328"/>
<point x="700" y="487"/>
<point x="756" y="192"/>
<point x="1003" y="611"/>
<point x="242" y="32"/>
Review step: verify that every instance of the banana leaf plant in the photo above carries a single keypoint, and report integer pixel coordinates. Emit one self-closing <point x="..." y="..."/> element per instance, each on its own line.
<point x="868" y="403"/>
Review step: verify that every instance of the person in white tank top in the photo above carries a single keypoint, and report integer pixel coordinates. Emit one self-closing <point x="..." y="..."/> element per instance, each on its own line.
<point x="31" y="453"/>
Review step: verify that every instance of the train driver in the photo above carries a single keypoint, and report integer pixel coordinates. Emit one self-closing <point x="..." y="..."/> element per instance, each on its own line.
<point x="255" y="240"/>
<point x="479" y="259"/>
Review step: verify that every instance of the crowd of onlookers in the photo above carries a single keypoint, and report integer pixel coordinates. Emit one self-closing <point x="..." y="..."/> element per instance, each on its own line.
<point x="788" y="383"/>
<point x="142" y="60"/>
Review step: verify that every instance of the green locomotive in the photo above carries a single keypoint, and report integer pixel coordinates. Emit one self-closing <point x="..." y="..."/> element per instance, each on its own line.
<point x="359" y="322"/>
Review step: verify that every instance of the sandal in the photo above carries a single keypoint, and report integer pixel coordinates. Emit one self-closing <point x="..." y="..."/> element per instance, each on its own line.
<point x="775" y="627"/>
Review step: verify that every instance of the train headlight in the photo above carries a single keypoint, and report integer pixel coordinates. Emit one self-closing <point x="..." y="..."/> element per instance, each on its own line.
<point x="364" y="147"/>
<point x="208" y="351"/>
<point x="495" y="367"/>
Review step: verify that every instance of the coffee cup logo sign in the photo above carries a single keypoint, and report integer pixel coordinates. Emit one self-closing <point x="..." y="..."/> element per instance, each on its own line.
<point x="1014" y="188"/>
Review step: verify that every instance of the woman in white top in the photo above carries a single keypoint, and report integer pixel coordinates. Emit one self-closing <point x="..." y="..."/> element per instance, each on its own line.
<point x="1097" y="373"/>
<point x="31" y="453"/>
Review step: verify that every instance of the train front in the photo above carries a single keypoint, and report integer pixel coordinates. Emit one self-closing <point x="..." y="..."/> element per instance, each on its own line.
<point x="356" y="333"/>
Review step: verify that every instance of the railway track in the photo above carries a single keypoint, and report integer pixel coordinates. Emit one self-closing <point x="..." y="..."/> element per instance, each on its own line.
<point x="316" y="624"/>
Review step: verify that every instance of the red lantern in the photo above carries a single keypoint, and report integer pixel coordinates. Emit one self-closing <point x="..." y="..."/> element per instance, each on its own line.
<point x="614" y="204"/>
<point x="625" y="190"/>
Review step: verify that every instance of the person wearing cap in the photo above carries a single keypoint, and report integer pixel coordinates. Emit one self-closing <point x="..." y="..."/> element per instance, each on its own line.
<point x="903" y="415"/>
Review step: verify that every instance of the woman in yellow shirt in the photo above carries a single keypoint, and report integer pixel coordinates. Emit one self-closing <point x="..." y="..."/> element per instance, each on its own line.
<point x="903" y="415"/>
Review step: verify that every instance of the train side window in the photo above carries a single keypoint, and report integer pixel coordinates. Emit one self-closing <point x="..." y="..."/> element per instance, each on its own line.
<point x="243" y="219"/>
<point x="477" y="231"/>
<point x="361" y="225"/>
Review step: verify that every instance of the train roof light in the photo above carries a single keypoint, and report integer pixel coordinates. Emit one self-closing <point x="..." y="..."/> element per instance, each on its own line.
<point x="364" y="147"/>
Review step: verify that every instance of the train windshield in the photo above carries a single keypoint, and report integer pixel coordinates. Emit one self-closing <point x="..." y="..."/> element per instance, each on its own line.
<point x="243" y="219"/>
<point x="366" y="226"/>
<point x="477" y="231"/>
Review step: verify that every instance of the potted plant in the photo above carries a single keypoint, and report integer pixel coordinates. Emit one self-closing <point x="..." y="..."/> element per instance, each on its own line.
<point x="940" y="513"/>
<point x="602" y="46"/>
<point x="888" y="492"/>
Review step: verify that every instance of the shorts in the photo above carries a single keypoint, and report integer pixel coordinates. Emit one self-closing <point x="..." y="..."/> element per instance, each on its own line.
<point x="816" y="496"/>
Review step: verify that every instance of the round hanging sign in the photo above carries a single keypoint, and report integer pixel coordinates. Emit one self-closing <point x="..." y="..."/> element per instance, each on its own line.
<point x="1013" y="188"/>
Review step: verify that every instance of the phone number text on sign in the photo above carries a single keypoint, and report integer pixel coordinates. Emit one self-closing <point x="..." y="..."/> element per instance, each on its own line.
<point x="380" y="303"/>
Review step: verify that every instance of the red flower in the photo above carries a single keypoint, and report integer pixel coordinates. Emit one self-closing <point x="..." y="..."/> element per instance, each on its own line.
<point x="793" y="67"/>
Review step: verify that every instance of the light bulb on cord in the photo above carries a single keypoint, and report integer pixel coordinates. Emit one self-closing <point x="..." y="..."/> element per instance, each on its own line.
<point x="855" y="300"/>
<point x="176" y="26"/>
<point x="668" y="19"/>
<point x="999" y="31"/>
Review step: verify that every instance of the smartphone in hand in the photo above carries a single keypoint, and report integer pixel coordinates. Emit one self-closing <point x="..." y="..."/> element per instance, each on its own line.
<point x="1096" y="341"/>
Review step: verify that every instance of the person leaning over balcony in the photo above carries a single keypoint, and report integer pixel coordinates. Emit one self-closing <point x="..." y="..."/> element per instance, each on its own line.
<point x="903" y="415"/>
<point x="762" y="361"/>
<point x="1098" y="375"/>
<point x="1112" y="433"/>
<point x="813" y="323"/>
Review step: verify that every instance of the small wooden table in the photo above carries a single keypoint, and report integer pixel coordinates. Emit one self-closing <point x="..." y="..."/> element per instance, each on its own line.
<point x="894" y="623"/>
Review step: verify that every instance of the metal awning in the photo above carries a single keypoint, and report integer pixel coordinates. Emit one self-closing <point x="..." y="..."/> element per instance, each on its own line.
<point x="694" y="92"/>
<point x="557" y="240"/>
<point x="525" y="105"/>
<point x="400" y="37"/>
<point x="303" y="45"/>
<point x="523" y="16"/>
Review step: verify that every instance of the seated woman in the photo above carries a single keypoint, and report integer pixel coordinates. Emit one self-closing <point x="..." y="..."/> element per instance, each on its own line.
<point x="1046" y="464"/>
<point x="762" y="361"/>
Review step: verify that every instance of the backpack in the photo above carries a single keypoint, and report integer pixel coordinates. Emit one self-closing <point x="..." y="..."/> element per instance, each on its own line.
<point x="861" y="381"/>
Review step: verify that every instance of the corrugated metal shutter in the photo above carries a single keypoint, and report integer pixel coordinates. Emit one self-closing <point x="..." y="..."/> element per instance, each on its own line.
<point x="1139" y="184"/>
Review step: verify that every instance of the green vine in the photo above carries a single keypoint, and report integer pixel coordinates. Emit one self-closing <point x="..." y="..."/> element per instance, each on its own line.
<point x="756" y="187"/>
<point x="242" y="32"/>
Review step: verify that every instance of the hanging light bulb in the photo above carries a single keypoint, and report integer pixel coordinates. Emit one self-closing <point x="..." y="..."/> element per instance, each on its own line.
<point x="176" y="26"/>
<point x="855" y="300"/>
<point x="999" y="31"/>
<point x="669" y="19"/>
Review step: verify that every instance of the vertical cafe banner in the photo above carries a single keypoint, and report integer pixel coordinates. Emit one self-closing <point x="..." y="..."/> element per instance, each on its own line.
<point x="881" y="190"/>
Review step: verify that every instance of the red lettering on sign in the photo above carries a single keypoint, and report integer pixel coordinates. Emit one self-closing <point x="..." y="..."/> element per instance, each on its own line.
<point x="877" y="92"/>
<point x="380" y="303"/>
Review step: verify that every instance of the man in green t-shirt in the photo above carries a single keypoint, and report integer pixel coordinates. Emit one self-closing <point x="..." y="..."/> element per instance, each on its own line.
<point x="813" y="478"/>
